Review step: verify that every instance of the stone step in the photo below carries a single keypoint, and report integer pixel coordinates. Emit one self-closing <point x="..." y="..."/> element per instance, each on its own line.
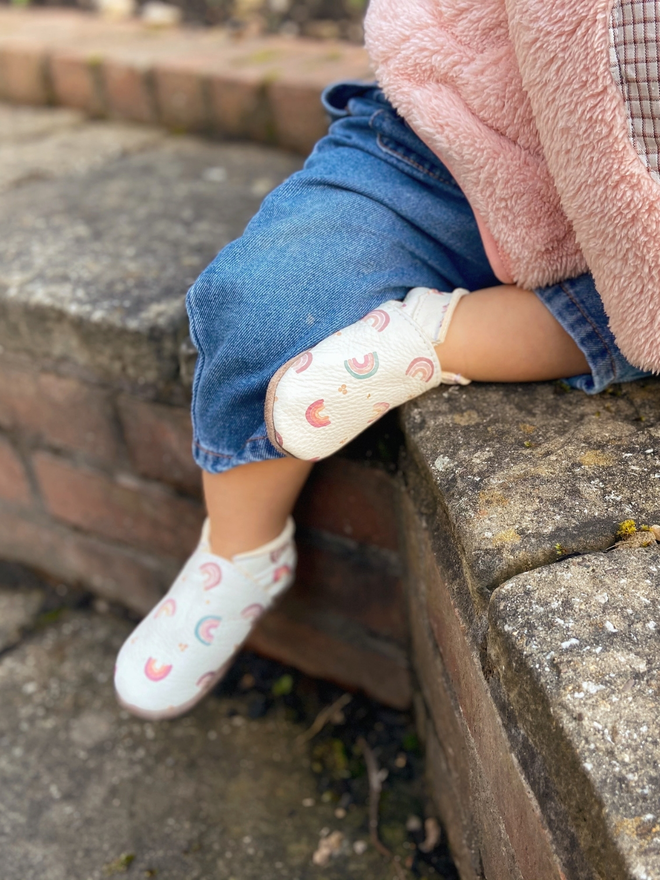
<point x="537" y="652"/>
<point x="196" y="80"/>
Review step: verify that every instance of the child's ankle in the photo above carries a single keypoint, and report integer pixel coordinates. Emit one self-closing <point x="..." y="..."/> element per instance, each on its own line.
<point x="249" y="543"/>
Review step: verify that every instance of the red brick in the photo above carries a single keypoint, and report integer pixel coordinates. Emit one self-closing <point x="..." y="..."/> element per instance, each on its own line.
<point x="240" y="106"/>
<point x="126" y="510"/>
<point x="352" y="500"/>
<point x="305" y="646"/>
<point x="350" y="586"/>
<point x="159" y="440"/>
<point x="460" y="782"/>
<point x="127" y="92"/>
<point x="181" y="98"/>
<point x="58" y="411"/>
<point x="115" y="573"/>
<point x="461" y="835"/>
<point x="521" y="817"/>
<point x="75" y="78"/>
<point x="23" y="73"/>
<point x="14" y="485"/>
<point x="299" y="117"/>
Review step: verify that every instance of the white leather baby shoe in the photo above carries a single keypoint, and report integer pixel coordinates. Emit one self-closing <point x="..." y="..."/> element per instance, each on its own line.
<point x="326" y="396"/>
<point x="186" y="644"/>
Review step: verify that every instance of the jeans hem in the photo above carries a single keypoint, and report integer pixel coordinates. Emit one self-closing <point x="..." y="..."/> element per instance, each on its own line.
<point x="605" y="361"/>
<point x="257" y="449"/>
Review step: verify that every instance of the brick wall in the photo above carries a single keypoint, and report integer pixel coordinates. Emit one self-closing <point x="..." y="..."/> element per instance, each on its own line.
<point x="98" y="488"/>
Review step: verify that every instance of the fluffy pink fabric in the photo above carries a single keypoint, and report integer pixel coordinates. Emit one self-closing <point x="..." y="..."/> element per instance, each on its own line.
<point x="606" y="191"/>
<point x="449" y="68"/>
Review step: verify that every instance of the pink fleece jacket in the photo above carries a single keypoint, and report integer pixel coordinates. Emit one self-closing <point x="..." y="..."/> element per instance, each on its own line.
<point x="540" y="111"/>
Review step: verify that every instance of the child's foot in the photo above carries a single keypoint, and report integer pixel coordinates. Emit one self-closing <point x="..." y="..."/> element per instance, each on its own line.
<point x="323" y="398"/>
<point x="186" y="644"/>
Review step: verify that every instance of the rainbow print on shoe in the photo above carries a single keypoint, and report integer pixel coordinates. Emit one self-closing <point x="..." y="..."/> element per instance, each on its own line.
<point x="154" y="672"/>
<point x="421" y="368"/>
<point x="205" y="629"/>
<point x="363" y="368"/>
<point x="354" y="376"/>
<point x="316" y="416"/>
<point x="212" y="574"/>
<point x="167" y="609"/>
<point x="187" y="643"/>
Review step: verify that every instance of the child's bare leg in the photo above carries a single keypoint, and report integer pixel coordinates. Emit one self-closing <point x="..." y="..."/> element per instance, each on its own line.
<point x="506" y="334"/>
<point x="248" y="506"/>
<point x="187" y="643"/>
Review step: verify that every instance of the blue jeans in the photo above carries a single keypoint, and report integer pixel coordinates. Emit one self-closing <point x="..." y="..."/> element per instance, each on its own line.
<point x="372" y="214"/>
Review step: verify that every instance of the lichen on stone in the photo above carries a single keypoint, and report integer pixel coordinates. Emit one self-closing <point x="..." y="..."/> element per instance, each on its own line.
<point x="626" y="528"/>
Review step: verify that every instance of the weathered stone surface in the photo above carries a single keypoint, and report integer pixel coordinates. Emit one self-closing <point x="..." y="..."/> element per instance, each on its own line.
<point x="523" y="472"/>
<point x="576" y="649"/>
<point x="495" y="823"/>
<point x="24" y="124"/>
<point x="18" y="611"/>
<point x="95" y="263"/>
<point x="31" y="152"/>
<point x="210" y="795"/>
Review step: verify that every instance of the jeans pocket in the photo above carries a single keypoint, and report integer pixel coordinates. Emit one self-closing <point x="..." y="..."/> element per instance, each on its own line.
<point x="396" y="139"/>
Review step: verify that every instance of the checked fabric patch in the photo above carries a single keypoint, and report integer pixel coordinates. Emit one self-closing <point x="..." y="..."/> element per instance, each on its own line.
<point x="635" y="63"/>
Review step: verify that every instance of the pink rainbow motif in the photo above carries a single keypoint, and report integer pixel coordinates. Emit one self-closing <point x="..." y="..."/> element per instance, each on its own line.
<point x="421" y="368"/>
<point x="363" y="369"/>
<point x="378" y="319"/>
<point x="205" y="629"/>
<point x="275" y="555"/>
<point x="167" y="609"/>
<point x="206" y="680"/>
<point x="212" y="574"/>
<point x="279" y="439"/>
<point x="303" y="362"/>
<point x="252" y="612"/>
<point x="281" y="572"/>
<point x="315" y="415"/>
<point x="379" y="409"/>
<point x="154" y="672"/>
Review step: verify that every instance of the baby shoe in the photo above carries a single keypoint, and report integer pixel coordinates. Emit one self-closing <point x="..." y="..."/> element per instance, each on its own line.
<point x="186" y="644"/>
<point x="324" y="397"/>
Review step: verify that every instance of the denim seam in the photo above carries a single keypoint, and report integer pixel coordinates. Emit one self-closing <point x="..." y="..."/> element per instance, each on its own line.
<point x="206" y="451"/>
<point x="402" y="157"/>
<point x="593" y="327"/>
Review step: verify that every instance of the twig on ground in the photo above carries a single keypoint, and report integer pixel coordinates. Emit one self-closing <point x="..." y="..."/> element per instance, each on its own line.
<point x="323" y="717"/>
<point x="375" y="777"/>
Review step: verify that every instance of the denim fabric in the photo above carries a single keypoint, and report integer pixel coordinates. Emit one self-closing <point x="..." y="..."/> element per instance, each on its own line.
<point x="372" y="214"/>
<point x="579" y="309"/>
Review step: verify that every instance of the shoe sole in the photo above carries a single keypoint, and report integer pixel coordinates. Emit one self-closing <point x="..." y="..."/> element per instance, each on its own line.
<point x="175" y="711"/>
<point x="271" y="397"/>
